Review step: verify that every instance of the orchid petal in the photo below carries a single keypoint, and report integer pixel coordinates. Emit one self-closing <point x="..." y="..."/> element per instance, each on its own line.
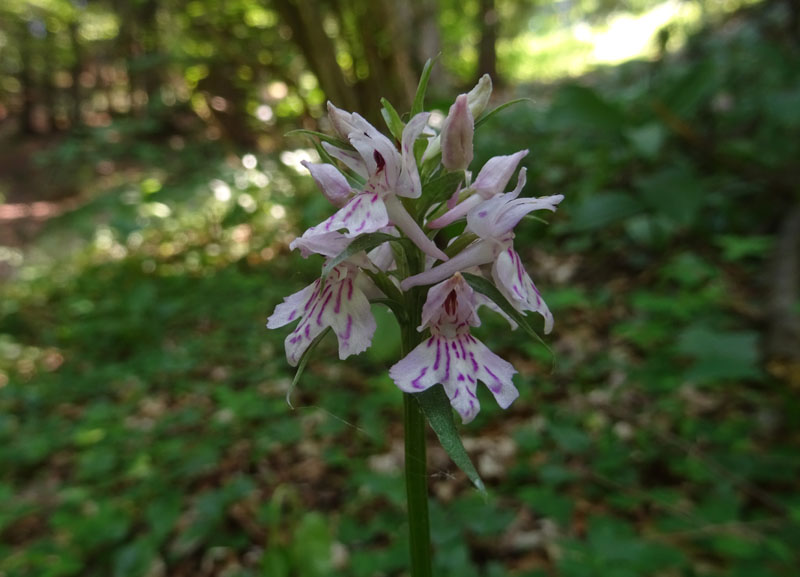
<point x="350" y="317"/>
<point x="293" y="306"/>
<point x="476" y="254"/>
<point x="330" y="181"/>
<point x="460" y="211"/>
<point x="450" y="302"/>
<point x="513" y="281"/>
<point x="378" y="153"/>
<point x="341" y="304"/>
<point x="517" y="209"/>
<point x="457" y="363"/>
<point x="341" y="120"/>
<point x="350" y="159"/>
<point x="366" y="212"/>
<point x="495" y="174"/>
<point x="401" y="219"/>
<point x="409" y="184"/>
<point x="325" y="243"/>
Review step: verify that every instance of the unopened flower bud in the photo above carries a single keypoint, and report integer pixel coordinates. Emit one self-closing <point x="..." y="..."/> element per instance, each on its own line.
<point x="457" y="132"/>
<point x="478" y="97"/>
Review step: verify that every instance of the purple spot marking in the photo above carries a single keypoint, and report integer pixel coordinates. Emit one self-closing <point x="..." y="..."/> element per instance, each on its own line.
<point x="461" y="377"/>
<point x="379" y="160"/>
<point x="353" y="208"/>
<point x="346" y="334"/>
<point x="474" y="363"/>
<point x="374" y="198"/>
<point x="482" y="214"/>
<point x="322" y="308"/>
<point x="456" y="395"/>
<point x="291" y="316"/>
<point x="488" y="370"/>
<point x="349" y="289"/>
<point x="415" y="382"/>
<point x="447" y="366"/>
<point x="438" y="354"/>
<point x="338" y="305"/>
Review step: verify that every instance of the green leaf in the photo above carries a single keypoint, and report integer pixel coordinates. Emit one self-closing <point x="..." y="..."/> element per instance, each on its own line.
<point x="301" y="366"/>
<point x="647" y="140"/>
<point x="675" y="192"/>
<point x="582" y="108"/>
<point x="437" y="409"/>
<point x="392" y="119"/>
<point x="602" y="210"/>
<point x="311" y="546"/>
<point x="719" y="355"/>
<point x="321" y="135"/>
<point x="363" y="242"/>
<point x="439" y="189"/>
<point x="488" y="115"/>
<point x="419" y="97"/>
<point x="485" y="287"/>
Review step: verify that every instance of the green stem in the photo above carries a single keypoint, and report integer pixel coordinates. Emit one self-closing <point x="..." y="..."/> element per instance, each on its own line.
<point x="416" y="462"/>
<point x="417" y="488"/>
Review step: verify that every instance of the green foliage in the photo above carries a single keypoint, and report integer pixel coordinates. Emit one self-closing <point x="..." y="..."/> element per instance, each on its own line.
<point x="142" y="404"/>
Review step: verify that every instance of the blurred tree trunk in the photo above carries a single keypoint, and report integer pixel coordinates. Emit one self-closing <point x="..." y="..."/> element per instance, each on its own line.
<point x="426" y="43"/>
<point x="784" y="320"/>
<point x="48" y="82"/>
<point x="26" y="78"/>
<point x="378" y="35"/>
<point x="487" y="51"/>
<point x="77" y="68"/>
<point x="305" y="21"/>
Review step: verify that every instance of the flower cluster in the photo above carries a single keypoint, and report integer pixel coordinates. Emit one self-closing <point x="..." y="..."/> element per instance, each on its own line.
<point x="388" y="192"/>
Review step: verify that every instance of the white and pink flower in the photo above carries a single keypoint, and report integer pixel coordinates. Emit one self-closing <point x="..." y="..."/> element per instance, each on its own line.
<point x="451" y="355"/>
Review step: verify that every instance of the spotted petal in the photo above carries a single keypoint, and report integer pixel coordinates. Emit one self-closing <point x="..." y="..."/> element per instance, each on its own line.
<point x="365" y="212"/>
<point x="513" y="281"/>
<point x="458" y="364"/>
<point x="340" y="304"/>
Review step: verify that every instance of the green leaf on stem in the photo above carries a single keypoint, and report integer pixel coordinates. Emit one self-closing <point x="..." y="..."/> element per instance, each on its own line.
<point x="301" y="366"/>
<point x="439" y="189"/>
<point x="392" y="119"/>
<point x="322" y="136"/>
<point x="419" y="98"/>
<point x="488" y="289"/>
<point x="494" y="111"/>
<point x="437" y="409"/>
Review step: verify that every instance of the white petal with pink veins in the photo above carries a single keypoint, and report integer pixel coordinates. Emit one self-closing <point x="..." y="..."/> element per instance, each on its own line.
<point x="364" y="213"/>
<point x="513" y="281"/>
<point x="458" y="364"/>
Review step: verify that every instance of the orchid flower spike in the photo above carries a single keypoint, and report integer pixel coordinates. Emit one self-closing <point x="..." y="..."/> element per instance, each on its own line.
<point x="340" y="304"/>
<point x="452" y="356"/>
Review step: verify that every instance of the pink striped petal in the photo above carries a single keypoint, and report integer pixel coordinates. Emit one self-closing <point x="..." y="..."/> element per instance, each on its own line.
<point x="513" y="281"/>
<point x="366" y="212"/>
<point x="458" y="364"/>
